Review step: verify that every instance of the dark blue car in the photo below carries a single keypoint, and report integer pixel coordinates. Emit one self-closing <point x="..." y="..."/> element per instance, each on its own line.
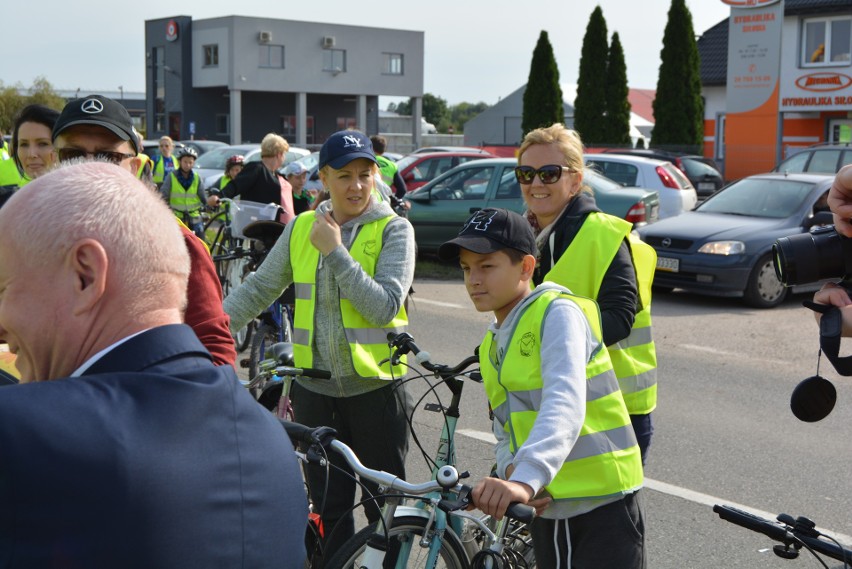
<point x="724" y="246"/>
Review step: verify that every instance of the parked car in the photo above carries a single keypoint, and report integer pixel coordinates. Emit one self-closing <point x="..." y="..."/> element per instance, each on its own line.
<point x="724" y="246"/>
<point x="395" y="156"/>
<point x="821" y="158"/>
<point x="211" y="165"/>
<point x="417" y="169"/>
<point x="676" y="192"/>
<point x="703" y="173"/>
<point x="439" y="208"/>
<point x="450" y="149"/>
<point x="203" y="146"/>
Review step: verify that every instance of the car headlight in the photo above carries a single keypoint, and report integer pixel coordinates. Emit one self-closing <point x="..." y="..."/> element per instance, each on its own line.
<point x="723" y="248"/>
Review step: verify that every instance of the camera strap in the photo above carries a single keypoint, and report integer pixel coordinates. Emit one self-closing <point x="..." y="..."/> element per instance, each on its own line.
<point x="830" y="328"/>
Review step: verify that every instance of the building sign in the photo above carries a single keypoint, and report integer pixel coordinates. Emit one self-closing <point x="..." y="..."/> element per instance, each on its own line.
<point x="748" y="3"/>
<point x="754" y="52"/>
<point x="820" y="91"/>
<point x="171" y="30"/>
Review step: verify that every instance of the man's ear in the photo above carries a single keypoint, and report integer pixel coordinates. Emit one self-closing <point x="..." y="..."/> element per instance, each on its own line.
<point x="135" y="164"/>
<point x="88" y="263"/>
<point x="527" y="267"/>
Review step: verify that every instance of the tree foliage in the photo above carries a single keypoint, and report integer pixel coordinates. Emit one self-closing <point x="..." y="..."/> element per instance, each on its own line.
<point x="12" y="101"/>
<point x="442" y="115"/>
<point x="617" y="118"/>
<point x="678" y="107"/>
<point x="543" y="103"/>
<point x="590" y="104"/>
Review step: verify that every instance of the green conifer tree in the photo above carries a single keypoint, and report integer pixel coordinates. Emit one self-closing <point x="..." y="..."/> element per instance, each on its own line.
<point x="590" y="104"/>
<point x="543" y="104"/>
<point x="617" y="118"/>
<point x="678" y="106"/>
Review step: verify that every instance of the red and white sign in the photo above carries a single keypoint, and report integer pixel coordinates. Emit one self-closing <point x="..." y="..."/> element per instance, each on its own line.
<point x="171" y="30"/>
<point x="826" y="81"/>
<point x="749" y="3"/>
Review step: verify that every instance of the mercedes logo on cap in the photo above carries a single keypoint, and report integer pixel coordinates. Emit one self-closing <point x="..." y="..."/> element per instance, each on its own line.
<point x="667" y="242"/>
<point x="92" y="106"/>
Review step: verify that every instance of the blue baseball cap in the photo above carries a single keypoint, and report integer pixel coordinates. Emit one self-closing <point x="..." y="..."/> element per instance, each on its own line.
<point x="343" y="147"/>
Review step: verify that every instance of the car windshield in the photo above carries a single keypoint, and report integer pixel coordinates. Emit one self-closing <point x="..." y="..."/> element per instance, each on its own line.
<point x="403" y="162"/>
<point x="696" y="169"/>
<point x="215" y="159"/>
<point x="309" y="161"/>
<point x="598" y="182"/>
<point x="759" y="197"/>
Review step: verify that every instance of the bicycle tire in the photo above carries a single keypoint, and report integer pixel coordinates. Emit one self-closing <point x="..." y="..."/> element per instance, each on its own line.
<point x="404" y="528"/>
<point x="215" y="227"/>
<point x="264" y="336"/>
<point x="235" y="272"/>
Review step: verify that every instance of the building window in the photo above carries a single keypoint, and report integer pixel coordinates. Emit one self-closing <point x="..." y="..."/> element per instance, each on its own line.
<point x="392" y="64"/>
<point x="223" y="124"/>
<point x="827" y="41"/>
<point x="211" y="55"/>
<point x="288" y="128"/>
<point x="334" y="60"/>
<point x="272" y="56"/>
<point x="346" y="123"/>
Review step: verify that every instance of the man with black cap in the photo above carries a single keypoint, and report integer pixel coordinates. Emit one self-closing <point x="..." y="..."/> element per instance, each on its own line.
<point x="565" y="443"/>
<point x="96" y="127"/>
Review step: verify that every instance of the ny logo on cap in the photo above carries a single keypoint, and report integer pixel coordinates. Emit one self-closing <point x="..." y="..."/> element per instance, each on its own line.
<point x="92" y="106"/>
<point x="479" y="221"/>
<point x="350" y="141"/>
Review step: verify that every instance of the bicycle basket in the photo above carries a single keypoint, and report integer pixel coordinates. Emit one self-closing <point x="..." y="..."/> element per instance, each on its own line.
<point x="247" y="212"/>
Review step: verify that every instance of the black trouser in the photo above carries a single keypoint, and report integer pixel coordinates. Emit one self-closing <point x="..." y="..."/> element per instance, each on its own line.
<point x="644" y="428"/>
<point x="608" y="537"/>
<point x="375" y="425"/>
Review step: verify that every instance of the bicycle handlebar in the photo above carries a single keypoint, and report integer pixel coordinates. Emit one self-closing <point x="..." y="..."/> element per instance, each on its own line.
<point x="796" y="533"/>
<point x="447" y="479"/>
<point x="404" y="343"/>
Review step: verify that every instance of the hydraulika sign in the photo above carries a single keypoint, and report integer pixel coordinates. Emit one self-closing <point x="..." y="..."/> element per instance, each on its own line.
<point x="749" y="3"/>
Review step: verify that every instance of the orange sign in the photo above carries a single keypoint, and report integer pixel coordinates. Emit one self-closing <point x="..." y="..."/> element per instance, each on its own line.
<point x="749" y="3"/>
<point x="825" y="81"/>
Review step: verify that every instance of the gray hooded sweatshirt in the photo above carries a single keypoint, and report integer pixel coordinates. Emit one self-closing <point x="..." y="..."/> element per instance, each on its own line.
<point x="376" y="298"/>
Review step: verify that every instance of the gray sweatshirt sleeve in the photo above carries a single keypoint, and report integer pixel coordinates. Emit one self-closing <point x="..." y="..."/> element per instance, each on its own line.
<point x="262" y="288"/>
<point x="166" y="188"/>
<point x="378" y="298"/>
<point x="566" y="346"/>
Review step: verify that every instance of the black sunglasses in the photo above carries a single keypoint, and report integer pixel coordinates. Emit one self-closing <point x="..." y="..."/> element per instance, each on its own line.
<point x="116" y="158"/>
<point x="548" y="174"/>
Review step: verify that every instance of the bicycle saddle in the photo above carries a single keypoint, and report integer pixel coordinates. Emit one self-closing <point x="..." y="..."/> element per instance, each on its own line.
<point x="265" y="231"/>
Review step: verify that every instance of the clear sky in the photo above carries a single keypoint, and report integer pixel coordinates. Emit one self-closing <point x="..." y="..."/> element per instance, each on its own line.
<point x="476" y="50"/>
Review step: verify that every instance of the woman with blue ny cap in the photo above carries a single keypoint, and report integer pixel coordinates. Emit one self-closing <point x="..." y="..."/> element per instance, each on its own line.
<point x="352" y="263"/>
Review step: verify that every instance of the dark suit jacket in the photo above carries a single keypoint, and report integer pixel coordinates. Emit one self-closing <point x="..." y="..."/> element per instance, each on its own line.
<point x="154" y="459"/>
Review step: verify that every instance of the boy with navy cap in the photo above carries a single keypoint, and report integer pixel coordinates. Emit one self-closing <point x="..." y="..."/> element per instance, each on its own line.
<point x="565" y="443"/>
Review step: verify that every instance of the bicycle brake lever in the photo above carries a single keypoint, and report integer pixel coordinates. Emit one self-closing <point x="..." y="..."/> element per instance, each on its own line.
<point x="460" y="503"/>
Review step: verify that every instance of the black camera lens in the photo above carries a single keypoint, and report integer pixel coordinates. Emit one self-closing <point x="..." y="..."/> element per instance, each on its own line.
<point x="810" y="257"/>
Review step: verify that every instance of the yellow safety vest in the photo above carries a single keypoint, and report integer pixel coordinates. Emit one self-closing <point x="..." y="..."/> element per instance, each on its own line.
<point x="387" y="168"/>
<point x="146" y="161"/>
<point x="592" y="250"/>
<point x="605" y="460"/>
<point x="367" y="342"/>
<point x="183" y="200"/>
<point x="223" y="181"/>
<point x="9" y="174"/>
<point x="159" y="168"/>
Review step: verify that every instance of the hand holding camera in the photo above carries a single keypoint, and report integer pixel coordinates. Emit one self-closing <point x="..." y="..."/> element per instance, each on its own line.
<point x="840" y="201"/>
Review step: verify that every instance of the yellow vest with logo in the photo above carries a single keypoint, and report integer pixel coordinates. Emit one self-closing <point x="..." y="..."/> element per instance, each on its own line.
<point x="367" y="342"/>
<point x="159" y="172"/>
<point x="605" y="460"/>
<point x="634" y="358"/>
<point x="185" y="200"/>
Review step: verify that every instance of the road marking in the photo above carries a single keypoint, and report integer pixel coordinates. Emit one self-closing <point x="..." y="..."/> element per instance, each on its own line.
<point x="677" y="491"/>
<point x="436" y="302"/>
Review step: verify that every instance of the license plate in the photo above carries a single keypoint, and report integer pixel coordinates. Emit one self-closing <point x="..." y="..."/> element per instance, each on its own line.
<point x="706" y="186"/>
<point x="668" y="264"/>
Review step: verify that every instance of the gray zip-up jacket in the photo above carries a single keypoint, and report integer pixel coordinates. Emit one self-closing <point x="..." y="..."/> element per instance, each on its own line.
<point x="377" y="298"/>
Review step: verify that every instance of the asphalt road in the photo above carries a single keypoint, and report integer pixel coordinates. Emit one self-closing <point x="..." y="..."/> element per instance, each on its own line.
<point x="724" y="429"/>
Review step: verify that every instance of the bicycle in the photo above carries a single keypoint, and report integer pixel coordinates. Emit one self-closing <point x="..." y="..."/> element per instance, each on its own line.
<point x="793" y="534"/>
<point x="454" y="536"/>
<point x="417" y="537"/>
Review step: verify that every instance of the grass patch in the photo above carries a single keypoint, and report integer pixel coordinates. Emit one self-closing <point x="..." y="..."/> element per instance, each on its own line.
<point x="434" y="268"/>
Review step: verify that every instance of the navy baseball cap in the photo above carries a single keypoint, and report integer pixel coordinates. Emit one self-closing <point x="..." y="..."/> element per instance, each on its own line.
<point x="99" y="111"/>
<point x="343" y="147"/>
<point x="490" y="230"/>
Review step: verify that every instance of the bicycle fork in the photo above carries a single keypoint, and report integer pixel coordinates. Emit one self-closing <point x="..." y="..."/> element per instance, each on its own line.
<point x="379" y="544"/>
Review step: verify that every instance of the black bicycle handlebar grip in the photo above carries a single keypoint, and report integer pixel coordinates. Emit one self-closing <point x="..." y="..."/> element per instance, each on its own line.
<point x="316" y="373"/>
<point x="298" y="432"/>
<point x="754" y="523"/>
<point x="521" y="512"/>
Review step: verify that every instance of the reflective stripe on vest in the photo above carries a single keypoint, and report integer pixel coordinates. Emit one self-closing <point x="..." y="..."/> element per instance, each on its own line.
<point x="367" y="342"/>
<point x="605" y="460"/>
<point x="634" y="359"/>
<point x="184" y="200"/>
<point x="387" y="168"/>
<point x="159" y="172"/>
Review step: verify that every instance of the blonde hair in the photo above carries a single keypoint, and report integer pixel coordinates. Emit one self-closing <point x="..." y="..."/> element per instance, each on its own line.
<point x="167" y="139"/>
<point x="100" y="201"/>
<point x="273" y="145"/>
<point x="566" y="140"/>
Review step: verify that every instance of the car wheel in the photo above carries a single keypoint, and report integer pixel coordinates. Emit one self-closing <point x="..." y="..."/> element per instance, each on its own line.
<point x="764" y="290"/>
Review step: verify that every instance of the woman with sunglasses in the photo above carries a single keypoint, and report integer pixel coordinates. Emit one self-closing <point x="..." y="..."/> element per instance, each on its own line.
<point x="598" y="260"/>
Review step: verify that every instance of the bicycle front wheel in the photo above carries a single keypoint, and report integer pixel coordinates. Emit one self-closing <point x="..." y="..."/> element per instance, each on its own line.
<point x="404" y="534"/>
<point x="264" y="336"/>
